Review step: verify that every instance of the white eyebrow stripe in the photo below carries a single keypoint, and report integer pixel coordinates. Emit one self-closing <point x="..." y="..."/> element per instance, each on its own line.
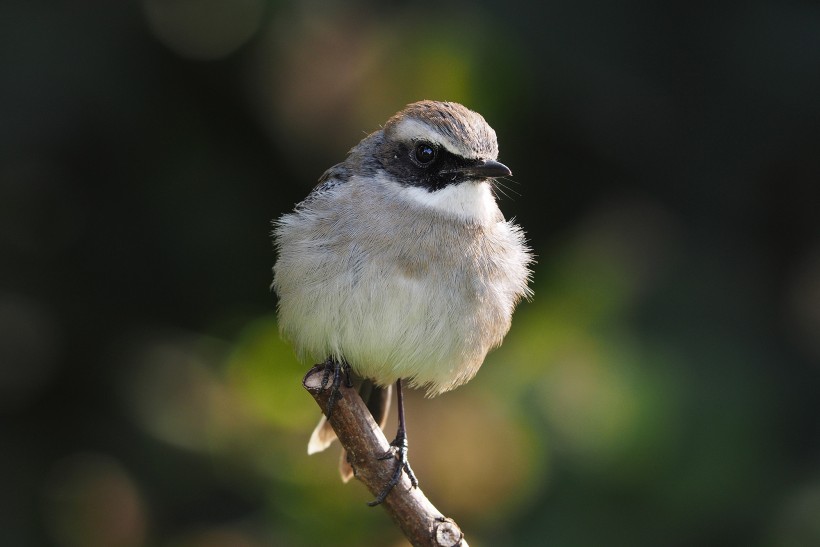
<point x="413" y="130"/>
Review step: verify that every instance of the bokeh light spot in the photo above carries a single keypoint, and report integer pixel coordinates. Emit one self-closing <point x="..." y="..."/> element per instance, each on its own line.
<point x="203" y="29"/>
<point x="173" y="391"/>
<point x="480" y="454"/>
<point x="92" y="501"/>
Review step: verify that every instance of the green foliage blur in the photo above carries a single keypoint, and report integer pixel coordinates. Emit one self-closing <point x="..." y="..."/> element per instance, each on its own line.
<point x="661" y="389"/>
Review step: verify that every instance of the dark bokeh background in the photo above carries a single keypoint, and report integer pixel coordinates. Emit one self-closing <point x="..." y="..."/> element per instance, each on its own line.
<point x="661" y="388"/>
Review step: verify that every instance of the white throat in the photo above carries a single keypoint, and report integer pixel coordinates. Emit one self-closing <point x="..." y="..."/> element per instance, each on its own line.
<point x="467" y="200"/>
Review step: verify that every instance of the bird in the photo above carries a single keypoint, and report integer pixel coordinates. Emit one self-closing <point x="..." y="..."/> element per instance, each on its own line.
<point x="399" y="266"/>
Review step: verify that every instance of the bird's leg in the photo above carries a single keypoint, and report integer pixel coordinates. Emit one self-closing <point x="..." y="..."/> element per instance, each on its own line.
<point x="398" y="449"/>
<point x="336" y="370"/>
<point x="348" y="379"/>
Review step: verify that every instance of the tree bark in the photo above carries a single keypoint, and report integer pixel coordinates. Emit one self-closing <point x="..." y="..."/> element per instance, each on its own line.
<point x="419" y="520"/>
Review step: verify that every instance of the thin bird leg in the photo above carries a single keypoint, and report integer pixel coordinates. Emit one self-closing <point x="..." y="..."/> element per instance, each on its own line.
<point x="349" y="380"/>
<point x="399" y="451"/>
<point x="335" y="369"/>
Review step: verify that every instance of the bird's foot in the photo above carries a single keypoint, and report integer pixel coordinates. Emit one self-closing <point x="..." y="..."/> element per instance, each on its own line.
<point x="334" y="370"/>
<point x="398" y="450"/>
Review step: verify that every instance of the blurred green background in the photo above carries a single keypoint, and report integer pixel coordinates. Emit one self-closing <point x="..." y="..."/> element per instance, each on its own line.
<point x="660" y="390"/>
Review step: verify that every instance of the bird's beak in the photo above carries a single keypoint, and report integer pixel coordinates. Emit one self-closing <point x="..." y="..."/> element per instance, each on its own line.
<point x="487" y="169"/>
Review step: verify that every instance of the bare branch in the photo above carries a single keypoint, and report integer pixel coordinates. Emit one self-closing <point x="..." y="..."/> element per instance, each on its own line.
<point x="419" y="520"/>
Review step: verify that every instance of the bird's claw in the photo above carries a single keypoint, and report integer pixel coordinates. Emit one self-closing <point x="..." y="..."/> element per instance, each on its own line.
<point x="334" y="370"/>
<point x="398" y="450"/>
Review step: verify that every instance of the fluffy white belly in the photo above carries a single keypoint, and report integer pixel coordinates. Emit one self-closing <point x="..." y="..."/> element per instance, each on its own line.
<point x="388" y="323"/>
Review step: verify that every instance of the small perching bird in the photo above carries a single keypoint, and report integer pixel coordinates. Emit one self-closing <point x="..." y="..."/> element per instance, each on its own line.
<point x="399" y="266"/>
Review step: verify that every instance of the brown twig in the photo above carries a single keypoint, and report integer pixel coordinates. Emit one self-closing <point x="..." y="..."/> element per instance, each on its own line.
<point x="419" y="520"/>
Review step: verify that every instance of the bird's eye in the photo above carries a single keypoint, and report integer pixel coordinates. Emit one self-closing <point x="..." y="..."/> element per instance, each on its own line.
<point x="425" y="153"/>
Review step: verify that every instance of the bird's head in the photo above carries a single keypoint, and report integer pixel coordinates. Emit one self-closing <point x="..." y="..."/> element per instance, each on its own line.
<point x="433" y="145"/>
